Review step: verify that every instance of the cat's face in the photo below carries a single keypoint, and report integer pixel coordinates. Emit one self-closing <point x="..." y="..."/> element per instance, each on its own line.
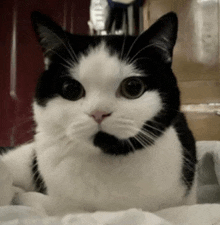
<point x="117" y="93"/>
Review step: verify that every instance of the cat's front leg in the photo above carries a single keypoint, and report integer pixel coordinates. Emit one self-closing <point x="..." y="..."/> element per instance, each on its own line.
<point x="35" y="200"/>
<point x="47" y="205"/>
<point x="7" y="190"/>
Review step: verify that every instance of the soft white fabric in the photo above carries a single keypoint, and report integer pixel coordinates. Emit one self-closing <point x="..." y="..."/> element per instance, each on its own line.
<point x="202" y="214"/>
<point x="20" y="215"/>
<point x="209" y="171"/>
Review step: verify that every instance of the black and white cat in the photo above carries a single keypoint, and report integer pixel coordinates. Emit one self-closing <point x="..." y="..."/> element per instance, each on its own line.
<point x="109" y="133"/>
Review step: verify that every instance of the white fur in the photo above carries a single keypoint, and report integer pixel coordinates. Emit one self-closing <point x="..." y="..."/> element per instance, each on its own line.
<point x="19" y="164"/>
<point x="15" y="173"/>
<point x="77" y="174"/>
<point x="6" y="188"/>
<point x="100" y="182"/>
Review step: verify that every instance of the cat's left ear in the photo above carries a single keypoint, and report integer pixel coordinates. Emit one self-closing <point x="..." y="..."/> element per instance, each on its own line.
<point x="161" y="37"/>
<point x="51" y="36"/>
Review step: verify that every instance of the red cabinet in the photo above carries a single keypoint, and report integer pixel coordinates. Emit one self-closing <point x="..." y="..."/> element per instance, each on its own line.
<point x="21" y="59"/>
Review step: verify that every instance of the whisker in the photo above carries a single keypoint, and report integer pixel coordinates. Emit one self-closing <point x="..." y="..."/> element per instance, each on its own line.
<point x="152" y="127"/>
<point x="189" y="162"/>
<point x="186" y="181"/>
<point x="73" y="52"/>
<point x="148" y="46"/>
<point x="67" y="62"/>
<point x="134" y="43"/>
<point x="141" y="58"/>
<point x="190" y="168"/>
<point x="124" y="121"/>
<point x="79" y="124"/>
<point x="67" y="67"/>
<point x="132" y="146"/>
<point x="146" y="132"/>
<point x="26" y="120"/>
<point x="151" y="133"/>
<point x="122" y="49"/>
<point x="146" y="138"/>
<point x="144" y="135"/>
<point x="74" y="58"/>
<point x="139" y="141"/>
<point x="143" y="140"/>
<point x="21" y="139"/>
<point x="155" y="44"/>
<point x="186" y="160"/>
<point x="156" y="122"/>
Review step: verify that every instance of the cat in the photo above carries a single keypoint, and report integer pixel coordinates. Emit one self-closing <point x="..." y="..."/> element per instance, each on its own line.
<point x="109" y="131"/>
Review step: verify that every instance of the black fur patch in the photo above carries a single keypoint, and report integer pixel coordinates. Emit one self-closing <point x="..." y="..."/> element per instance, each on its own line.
<point x="37" y="178"/>
<point x="189" y="150"/>
<point x="4" y="150"/>
<point x="155" y="128"/>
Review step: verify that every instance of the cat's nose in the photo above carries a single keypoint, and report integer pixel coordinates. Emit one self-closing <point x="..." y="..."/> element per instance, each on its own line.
<point x="99" y="116"/>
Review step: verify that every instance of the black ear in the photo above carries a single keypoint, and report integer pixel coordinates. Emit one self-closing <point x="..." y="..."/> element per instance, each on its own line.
<point x="50" y="35"/>
<point x="161" y="36"/>
<point x="164" y="30"/>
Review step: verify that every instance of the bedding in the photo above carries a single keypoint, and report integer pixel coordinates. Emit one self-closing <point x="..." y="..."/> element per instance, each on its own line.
<point x="206" y="212"/>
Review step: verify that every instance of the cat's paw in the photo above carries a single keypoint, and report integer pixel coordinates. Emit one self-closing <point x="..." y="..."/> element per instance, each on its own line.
<point x="6" y="185"/>
<point x="46" y="205"/>
<point x="35" y="200"/>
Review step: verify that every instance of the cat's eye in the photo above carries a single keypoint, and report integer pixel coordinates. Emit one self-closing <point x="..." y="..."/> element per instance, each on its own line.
<point x="132" y="88"/>
<point x="72" y="90"/>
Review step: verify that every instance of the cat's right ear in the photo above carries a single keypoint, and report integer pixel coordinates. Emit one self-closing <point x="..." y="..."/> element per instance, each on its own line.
<point x="50" y="35"/>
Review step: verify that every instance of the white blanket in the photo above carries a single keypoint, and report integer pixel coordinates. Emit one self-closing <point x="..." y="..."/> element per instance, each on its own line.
<point x="207" y="212"/>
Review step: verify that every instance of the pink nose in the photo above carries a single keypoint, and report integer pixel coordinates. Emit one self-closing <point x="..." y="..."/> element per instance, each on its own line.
<point x="99" y="116"/>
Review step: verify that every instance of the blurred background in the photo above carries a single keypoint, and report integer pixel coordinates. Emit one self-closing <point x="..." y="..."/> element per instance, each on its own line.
<point x="196" y="56"/>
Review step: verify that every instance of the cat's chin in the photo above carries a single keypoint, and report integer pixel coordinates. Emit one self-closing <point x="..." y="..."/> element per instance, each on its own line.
<point x="111" y="145"/>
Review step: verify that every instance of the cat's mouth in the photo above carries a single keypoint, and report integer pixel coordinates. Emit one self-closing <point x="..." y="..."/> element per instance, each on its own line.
<point x="100" y="128"/>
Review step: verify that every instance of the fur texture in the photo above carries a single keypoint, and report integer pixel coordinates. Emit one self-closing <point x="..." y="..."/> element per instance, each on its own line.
<point x="109" y="133"/>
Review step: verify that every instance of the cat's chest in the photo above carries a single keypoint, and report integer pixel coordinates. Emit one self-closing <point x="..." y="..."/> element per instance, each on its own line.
<point x="142" y="179"/>
<point x="99" y="187"/>
<point x="95" y="177"/>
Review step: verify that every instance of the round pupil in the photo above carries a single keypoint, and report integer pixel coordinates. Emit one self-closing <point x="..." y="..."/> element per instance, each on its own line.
<point x="72" y="90"/>
<point x="133" y="88"/>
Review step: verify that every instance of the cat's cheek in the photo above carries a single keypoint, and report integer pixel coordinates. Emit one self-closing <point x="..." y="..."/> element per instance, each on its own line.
<point x="82" y="128"/>
<point x="122" y="133"/>
<point x="51" y="119"/>
<point x="145" y="108"/>
<point x="119" y="129"/>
